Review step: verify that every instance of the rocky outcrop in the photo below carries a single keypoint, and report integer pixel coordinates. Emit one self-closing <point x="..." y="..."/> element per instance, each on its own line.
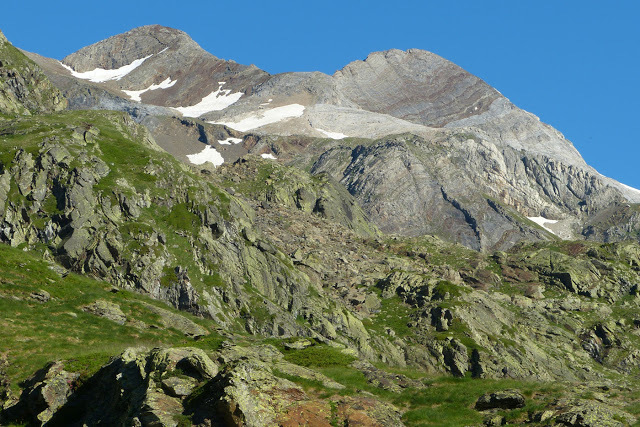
<point x="174" y="386"/>
<point x="289" y="188"/>
<point x="504" y="399"/>
<point x="24" y="88"/>
<point x="107" y="310"/>
<point x="413" y="186"/>
<point x="44" y="395"/>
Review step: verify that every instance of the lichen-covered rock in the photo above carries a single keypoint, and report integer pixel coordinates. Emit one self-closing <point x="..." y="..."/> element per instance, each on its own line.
<point x="24" y="89"/>
<point x="503" y="399"/>
<point x="179" y="387"/>
<point x="106" y="309"/>
<point x="583" y="413"/>
<point x="368" y="411"/>
<point x="41" y="296"/>
<point x="45" y="393"/>
<point x="252" y="395"/>
<point x="385" y="380"/>
<point x="192" y="360"/>
<point x="179" y="322"/>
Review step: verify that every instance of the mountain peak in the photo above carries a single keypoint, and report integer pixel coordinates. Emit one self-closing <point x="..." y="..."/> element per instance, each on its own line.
<point x="123" y="49"/>
<point x="415" y="85"/>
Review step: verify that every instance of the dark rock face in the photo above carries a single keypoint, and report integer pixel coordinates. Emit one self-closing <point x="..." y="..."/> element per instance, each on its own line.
<point x="45" y="393"/>
<point x="505" y="399"/>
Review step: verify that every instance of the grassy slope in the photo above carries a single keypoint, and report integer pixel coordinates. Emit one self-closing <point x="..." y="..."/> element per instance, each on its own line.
<point x="34" y="333"/>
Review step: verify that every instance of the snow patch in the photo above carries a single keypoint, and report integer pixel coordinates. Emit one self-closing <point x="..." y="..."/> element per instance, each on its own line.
<point x="266" y="117"/>
<point x="135" y="94"/>
<point x="209" y="154"/>
<point x="541" y="221"/>
<point x="215" y="101"/>
<point x="332" y="135"/>
<point x="230" y="141"/>
<point x="100" y="75"/>
<point x="268" y="156"/>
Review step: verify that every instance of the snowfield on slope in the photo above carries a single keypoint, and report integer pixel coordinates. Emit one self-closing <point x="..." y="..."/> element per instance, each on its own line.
<point x="266" y="117"/>
<point x="135" y="94"/>
<point x="100" y="75"/>
<point x="215" y="101"/>
<point x="332" y="135"/>
<point x="209" y="154"/>
<point x="541" y="221"/>
<point x="230" y="141"/>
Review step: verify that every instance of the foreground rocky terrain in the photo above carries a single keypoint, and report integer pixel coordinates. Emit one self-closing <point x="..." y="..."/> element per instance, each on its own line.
<point x="140" y="290"/>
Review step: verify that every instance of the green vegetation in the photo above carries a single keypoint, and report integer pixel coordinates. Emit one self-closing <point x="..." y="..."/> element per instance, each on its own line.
<point x="319" y="356"/>
<point x="395" y="315"/>
<point x="85" y="340"/>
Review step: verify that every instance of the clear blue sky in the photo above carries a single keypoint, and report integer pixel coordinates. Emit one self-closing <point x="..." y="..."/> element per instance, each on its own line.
<point x="575" y="64"/>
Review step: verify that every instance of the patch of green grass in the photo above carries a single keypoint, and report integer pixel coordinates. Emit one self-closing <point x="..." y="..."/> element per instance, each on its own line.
<point x="319" y="355"/>
<point x="449" y="401"/>
<point x="87" y="364"/>
<point x="181" y="218"/>
<point x="394" y="314"/>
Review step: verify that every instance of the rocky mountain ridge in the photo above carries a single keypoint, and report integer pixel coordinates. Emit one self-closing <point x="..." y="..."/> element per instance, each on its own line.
<point x="516" y="168"/>
<point x="276" y="281"/>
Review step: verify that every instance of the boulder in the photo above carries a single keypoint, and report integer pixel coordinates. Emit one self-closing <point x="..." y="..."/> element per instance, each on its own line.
<point x="40" y="296"/>
<point x="593" y="414"/>
<point x="170" y="319"/>
<point x="46" y="392"/>
<point x="106" y="309"/>
<point x="504" y="399"/>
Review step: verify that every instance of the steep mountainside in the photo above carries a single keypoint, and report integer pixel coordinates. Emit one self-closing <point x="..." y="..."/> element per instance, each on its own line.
<point x="24" y="89"/>
<point x="138" y="290"/>
<point x="471" y="168"/>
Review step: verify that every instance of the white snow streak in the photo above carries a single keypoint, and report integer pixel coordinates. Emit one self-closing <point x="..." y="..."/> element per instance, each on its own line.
<point x="332" y="135"/>
<point x="229" y="141"/>
<point x="215" y="101"/>
<point x="541" y="221"/>
<point x="135" y="94"/>
<point x="209" y="154"/>
<point x="266" y="117"/>
<point x="268" y="156"/>
<point x="100" y="75"/>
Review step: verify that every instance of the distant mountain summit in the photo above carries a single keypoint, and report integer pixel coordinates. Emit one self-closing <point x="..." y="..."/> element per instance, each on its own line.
<point x="443" y="152"/>
<point x="160" y="54"/>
